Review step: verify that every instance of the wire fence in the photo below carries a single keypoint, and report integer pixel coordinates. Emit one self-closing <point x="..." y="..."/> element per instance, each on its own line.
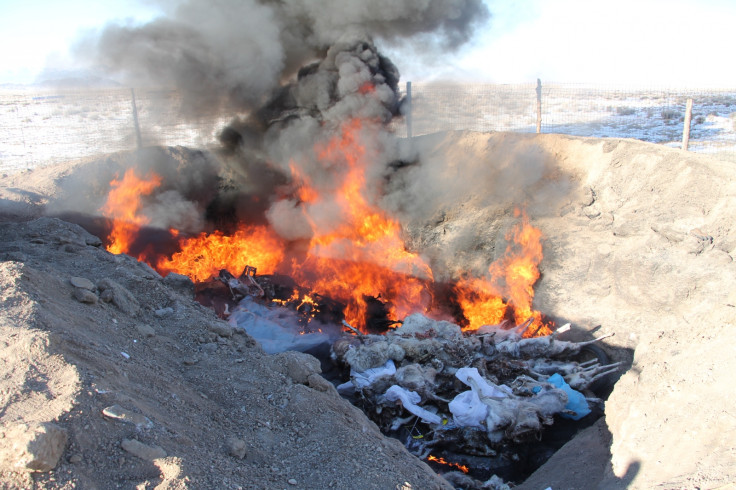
<point x="655" y="115"/>
<point x="41" y="127"/>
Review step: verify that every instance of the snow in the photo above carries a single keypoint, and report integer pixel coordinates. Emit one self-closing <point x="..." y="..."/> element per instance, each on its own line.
<point x="42" y="126"/>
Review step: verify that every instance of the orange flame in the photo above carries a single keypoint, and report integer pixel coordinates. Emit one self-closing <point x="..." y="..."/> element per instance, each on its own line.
<point x="123" y="206"/>
<point x="512" y="276"/>
<point x="441" y="460"/>
<point x="203" y="256"/>
<point x="363" y="255"/>
<point x="367" y="88"/>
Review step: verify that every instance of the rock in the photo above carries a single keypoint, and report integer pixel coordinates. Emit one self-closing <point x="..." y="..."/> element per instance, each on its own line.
<point x="162" y="312"/>
<point x="317" y="382"/>
<point x="625" y="229"/>
<point x="32" y="447"/>
<point x="75" y="459"/>
<point x="592" y="211"/>
<point x="292" y="481"/>
<point x="588" y="197"/>
<point x="210" y="348"/>
<point x="236" y="447"/>
<point x="143" y="451"/>
<point x="84" y="296"/>
<point x="146" y="331"/>
<point x="121" y="414"/>
<point x="72" y="248"/>
<point x="82" y="282"/>
<point x="92" y="241"/>
<point x="111" y="291"/>
<point x="297" y="365"/>
<point x="222" y="329"/>
<point x="720" y="257"/>
<point x="180" y="283"/>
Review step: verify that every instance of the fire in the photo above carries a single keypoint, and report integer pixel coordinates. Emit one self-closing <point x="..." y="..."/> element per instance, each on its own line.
<point x="512" y="276"/>
<point x="203" y="256"/>
<point x="353" y="283"/>
<point x="364" y="255"/>
<point x="441" y="460"/>
<point x="358" y="258"/>
<point x="123" y="206"/>
<point x="367" y="88"/>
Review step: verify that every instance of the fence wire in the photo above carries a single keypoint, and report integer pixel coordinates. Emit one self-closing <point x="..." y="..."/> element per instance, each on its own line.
<point x="40" y="127"/>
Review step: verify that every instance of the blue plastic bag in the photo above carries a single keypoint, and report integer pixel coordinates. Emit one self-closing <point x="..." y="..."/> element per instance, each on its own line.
<point x="575" y="400"/>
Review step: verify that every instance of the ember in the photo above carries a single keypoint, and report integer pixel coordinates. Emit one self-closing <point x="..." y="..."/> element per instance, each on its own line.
<point x="435" y="459"/>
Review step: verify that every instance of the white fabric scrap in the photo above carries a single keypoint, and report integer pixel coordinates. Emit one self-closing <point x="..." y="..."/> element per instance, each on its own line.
<point x="409" y="400"/>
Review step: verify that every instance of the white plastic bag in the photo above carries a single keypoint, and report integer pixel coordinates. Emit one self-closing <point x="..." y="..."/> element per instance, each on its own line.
<point x="467" y="409"/>
<point x="409" y="400"/>
<point x="365" y="378"/>
<point x="486" y="388"/>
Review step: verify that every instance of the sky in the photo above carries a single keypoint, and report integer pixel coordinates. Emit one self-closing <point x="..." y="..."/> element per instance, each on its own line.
<point x="655" y="42"/>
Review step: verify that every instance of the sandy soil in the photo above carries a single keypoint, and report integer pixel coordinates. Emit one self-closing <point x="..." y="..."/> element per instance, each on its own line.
<point x="639" y="242"/>
<point x="203" y="406"/>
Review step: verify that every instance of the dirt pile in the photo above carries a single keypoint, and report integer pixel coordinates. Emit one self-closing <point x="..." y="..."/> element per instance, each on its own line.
<point x="148" y="388"/>
<point x="639" y="242"/>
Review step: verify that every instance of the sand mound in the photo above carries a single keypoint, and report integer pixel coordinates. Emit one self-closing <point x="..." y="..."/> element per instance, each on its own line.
<point x="640" y="244"/>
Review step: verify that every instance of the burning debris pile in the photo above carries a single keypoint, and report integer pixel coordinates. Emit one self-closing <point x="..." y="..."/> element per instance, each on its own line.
<point x="309" y="206"/>
<point x="310" y="182"/>
<point x="482" y="399"/>
<point x="478" y="398"/>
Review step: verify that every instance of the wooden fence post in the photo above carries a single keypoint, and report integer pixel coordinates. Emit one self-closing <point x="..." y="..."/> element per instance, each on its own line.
<point x="686" y="126"/>
<point x="408" y="109"/>
<point x="135" y="120"/>
<point x="539" y="105"/>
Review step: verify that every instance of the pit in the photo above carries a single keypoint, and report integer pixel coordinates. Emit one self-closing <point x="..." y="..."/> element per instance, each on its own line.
<point x="340" y="226"/>
<point x="481" y="325"/>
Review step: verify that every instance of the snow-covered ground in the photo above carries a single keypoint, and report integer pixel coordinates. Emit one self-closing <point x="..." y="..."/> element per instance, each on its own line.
<point x="653" y="115"/>
<point x="43" y="126"/>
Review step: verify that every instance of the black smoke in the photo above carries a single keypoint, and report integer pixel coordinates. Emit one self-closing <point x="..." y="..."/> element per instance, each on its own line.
<point x="236" y="53"/>
<point x="292" y="73"/>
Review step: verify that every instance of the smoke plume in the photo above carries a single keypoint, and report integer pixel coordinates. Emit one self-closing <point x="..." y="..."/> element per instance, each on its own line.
<point x="235" y="52"/>
<point x="297" y="73"/>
